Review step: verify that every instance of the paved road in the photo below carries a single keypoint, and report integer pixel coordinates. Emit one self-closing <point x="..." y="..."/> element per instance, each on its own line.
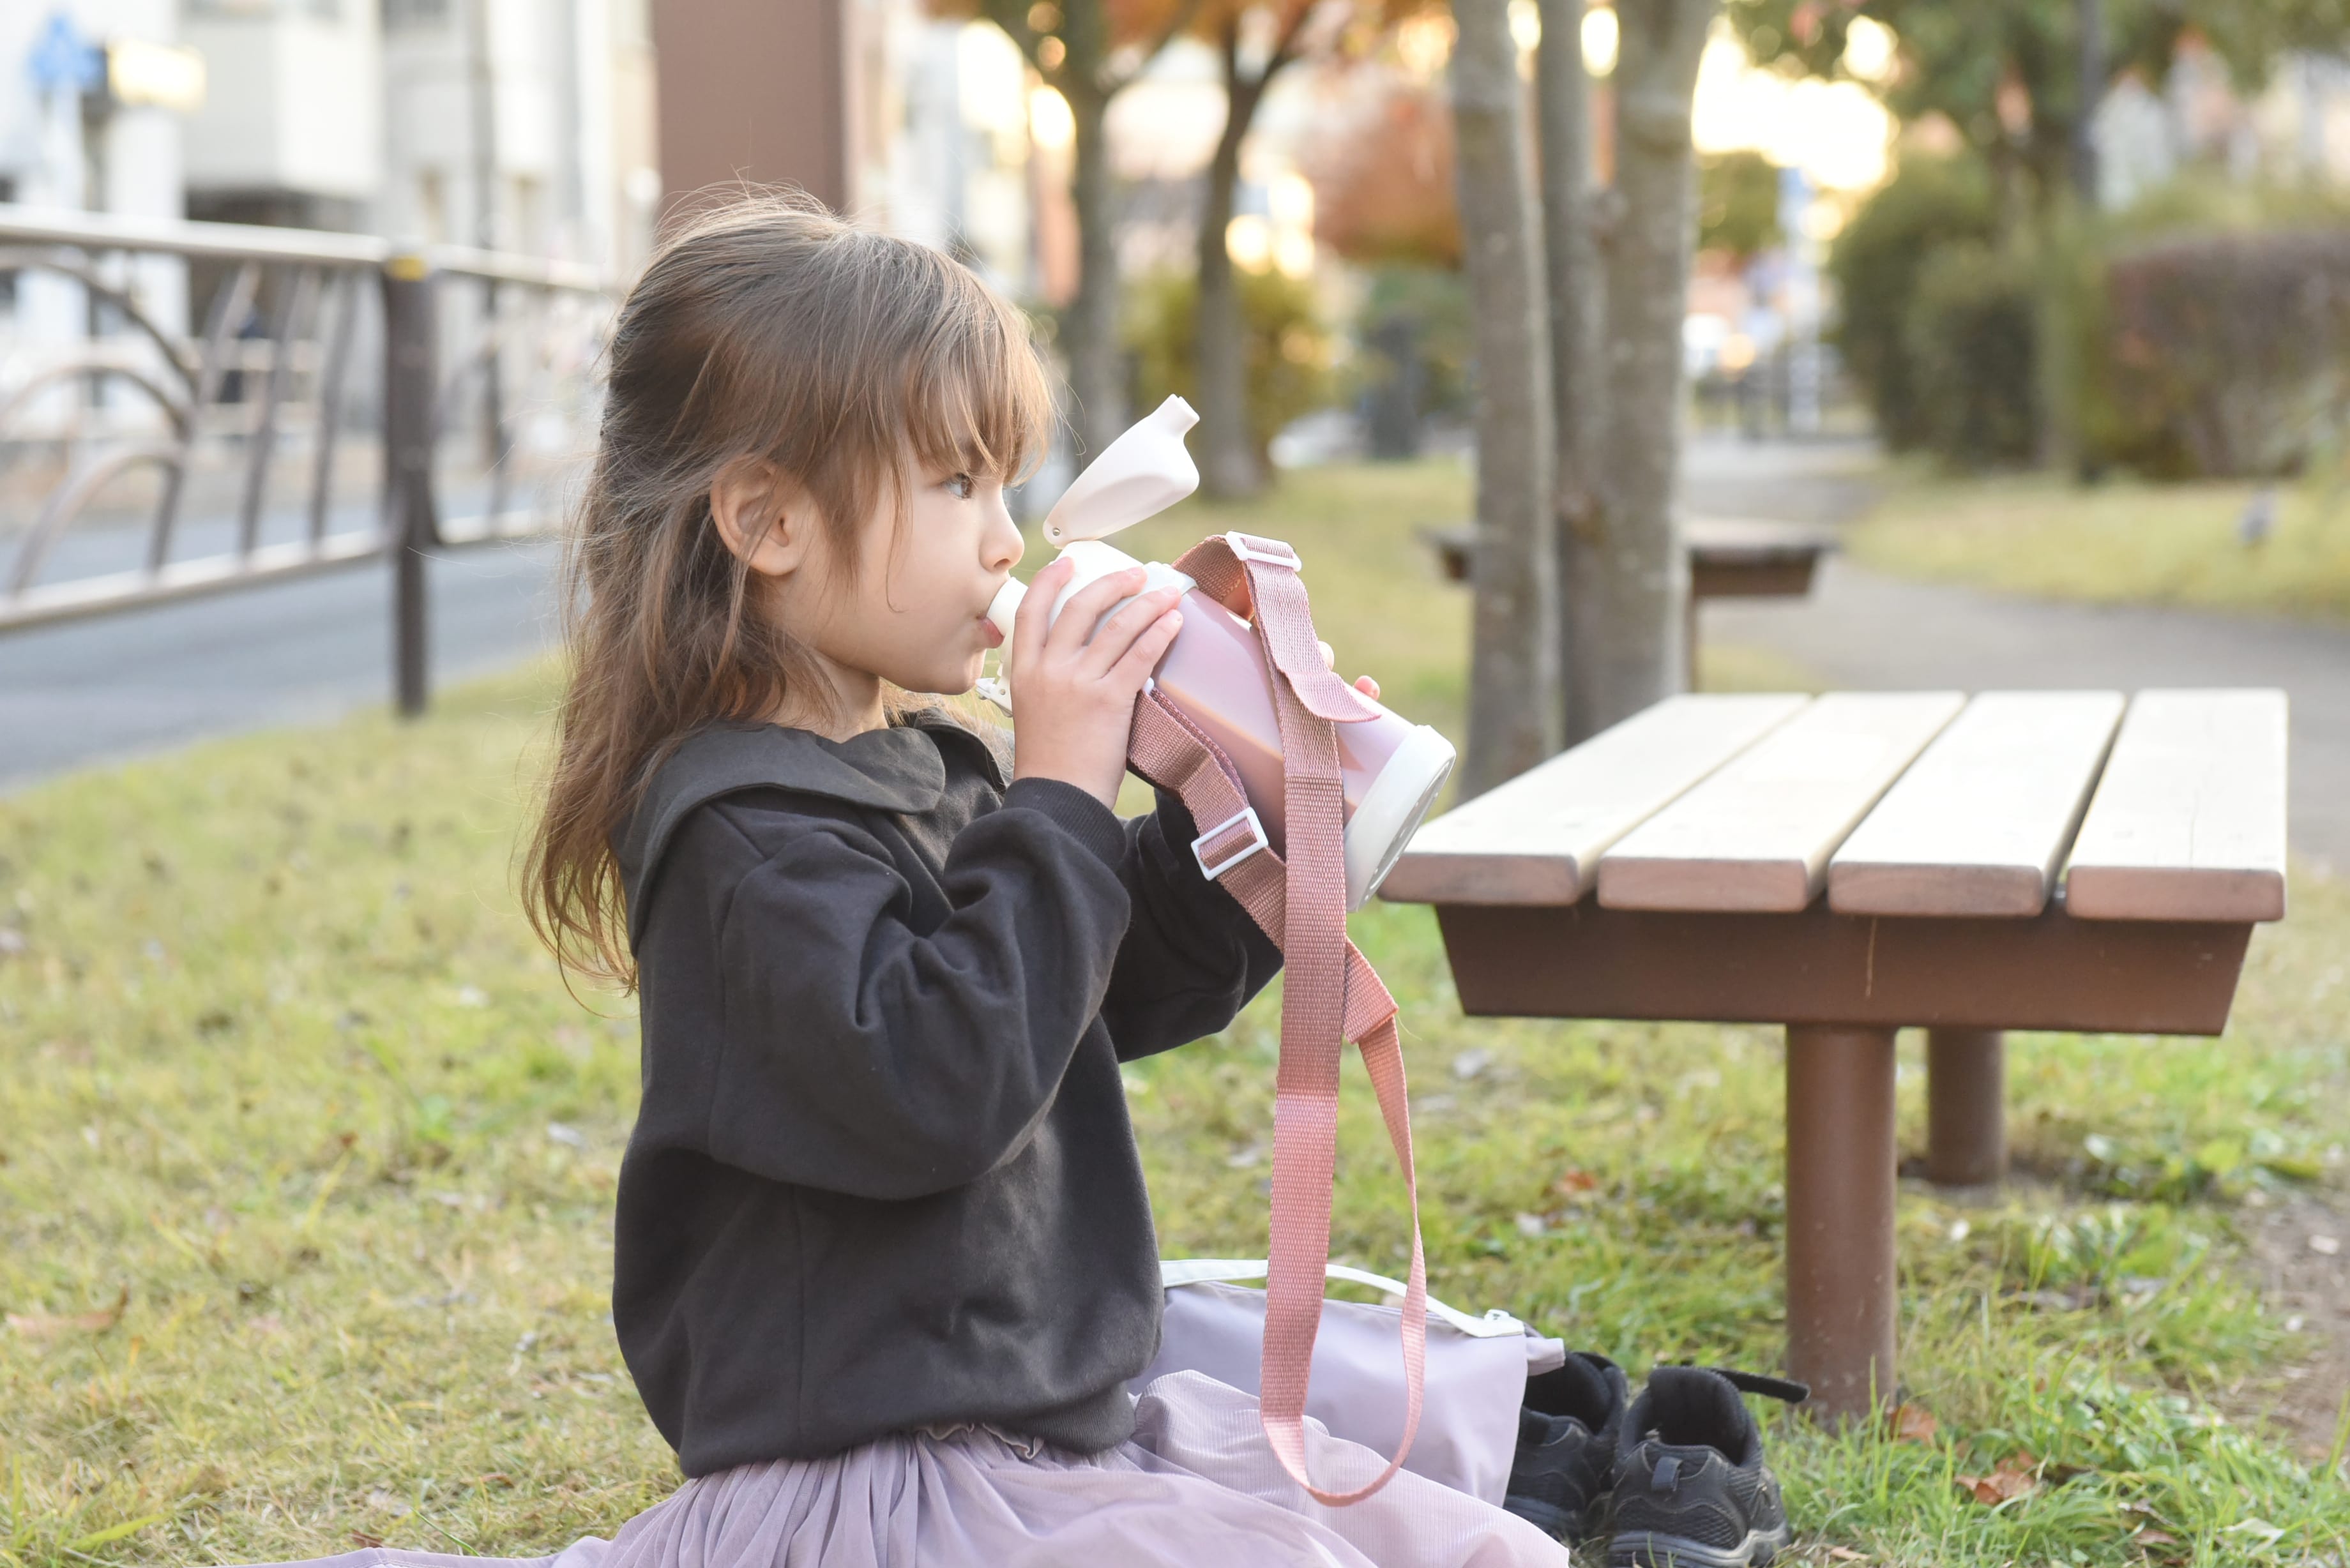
<point x="293" y="653"/>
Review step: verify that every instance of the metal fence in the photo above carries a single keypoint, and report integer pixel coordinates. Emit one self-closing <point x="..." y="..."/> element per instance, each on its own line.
<point x="338" y="399"/>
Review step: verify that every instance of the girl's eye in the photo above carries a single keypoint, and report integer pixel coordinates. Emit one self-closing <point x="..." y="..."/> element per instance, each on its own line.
<point x="961" y="485"/>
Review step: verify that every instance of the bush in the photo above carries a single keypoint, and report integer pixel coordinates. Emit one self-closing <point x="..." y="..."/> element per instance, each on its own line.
<point x="1737" y="203"/>
<point x="1967" y="343"/>
<point x="1288" y="347"/>
<point x="2208" y="325"/>
<point x="1931" y="203"/>
<point x="2226" y="353"/>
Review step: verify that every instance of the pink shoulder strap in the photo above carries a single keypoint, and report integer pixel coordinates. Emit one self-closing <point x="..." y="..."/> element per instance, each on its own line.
<point x="1330" y="994"/>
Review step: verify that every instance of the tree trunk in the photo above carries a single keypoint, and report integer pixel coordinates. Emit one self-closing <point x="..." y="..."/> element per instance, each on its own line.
<point x="1578" y="380"/>
<point x="1089" y="334"/>
<point x="1228" y="466"/>
<point x="1636" y="639"/>
<point x="1513" y="657"/>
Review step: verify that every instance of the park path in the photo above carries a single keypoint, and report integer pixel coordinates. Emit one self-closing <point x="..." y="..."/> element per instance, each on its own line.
<point x="1863" y="629"/>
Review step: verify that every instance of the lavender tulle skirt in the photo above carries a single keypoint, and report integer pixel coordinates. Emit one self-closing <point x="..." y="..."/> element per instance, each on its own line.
<point x="1197" y="1487"/>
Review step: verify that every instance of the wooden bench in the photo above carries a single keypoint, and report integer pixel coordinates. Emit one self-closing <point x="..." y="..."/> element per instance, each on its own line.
<point x="1730" y="558"/>
<point x="1849" y="865"/>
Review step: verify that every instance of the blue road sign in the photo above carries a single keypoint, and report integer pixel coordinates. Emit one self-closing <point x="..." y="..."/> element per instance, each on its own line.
<point x="62" y="58"/>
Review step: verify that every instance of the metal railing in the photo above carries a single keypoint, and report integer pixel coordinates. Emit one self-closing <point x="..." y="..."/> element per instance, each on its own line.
<point x="122" y="436"/>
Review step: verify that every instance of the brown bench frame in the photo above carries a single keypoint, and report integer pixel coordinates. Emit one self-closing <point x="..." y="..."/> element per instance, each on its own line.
<point x="1843" y="985"/>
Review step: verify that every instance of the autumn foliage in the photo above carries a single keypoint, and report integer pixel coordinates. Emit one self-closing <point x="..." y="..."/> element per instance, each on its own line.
<point x="1382" y="175"/>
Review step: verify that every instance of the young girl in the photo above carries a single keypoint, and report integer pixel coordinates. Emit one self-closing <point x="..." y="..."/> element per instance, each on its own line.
<point x="884" y="1262"/>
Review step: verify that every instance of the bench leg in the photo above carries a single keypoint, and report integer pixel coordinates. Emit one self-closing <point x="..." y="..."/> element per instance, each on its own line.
<point x="1841" y="1163"/>
<point x="1966" y="1121"/>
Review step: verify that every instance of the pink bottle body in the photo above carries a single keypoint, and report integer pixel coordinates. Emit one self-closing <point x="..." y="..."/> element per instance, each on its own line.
<point x="1215" y="672"/>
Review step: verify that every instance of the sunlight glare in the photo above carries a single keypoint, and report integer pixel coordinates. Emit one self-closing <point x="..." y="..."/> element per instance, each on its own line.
<point x="1525" y="26"/>
<point x="1836" y="132"/>
<point x="1049" y="120"/>
<point x="1869" y="51"/>
<point x="1599" y="40"/>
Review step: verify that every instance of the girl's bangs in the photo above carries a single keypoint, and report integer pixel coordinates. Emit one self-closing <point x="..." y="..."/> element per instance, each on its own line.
<point x="979" y="401"/>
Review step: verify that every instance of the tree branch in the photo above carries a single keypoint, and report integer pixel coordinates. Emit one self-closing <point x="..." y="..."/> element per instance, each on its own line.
<point x="1180" y="22"/>
<point x="1011" y="19"/>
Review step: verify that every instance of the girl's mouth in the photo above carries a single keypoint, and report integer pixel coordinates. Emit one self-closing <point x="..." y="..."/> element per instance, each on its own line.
<point x="988" y="634"/>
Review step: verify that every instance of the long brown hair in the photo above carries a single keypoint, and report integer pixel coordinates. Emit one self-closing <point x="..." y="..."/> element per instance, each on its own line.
<point x="766" y="328"/>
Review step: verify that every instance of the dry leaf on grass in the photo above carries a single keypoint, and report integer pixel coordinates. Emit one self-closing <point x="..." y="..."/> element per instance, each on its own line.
<point x="1845" y="1554"/>
<point x="362" y="1538"/>
<point x="47" y="1325"/>
<point x="1912" y="1424"/>
<point x="2013" y="1479"/>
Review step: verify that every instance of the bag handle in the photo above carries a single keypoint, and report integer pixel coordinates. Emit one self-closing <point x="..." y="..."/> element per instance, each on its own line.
<point x="1330" y="994"/>
<point x="1175" y="1272"/>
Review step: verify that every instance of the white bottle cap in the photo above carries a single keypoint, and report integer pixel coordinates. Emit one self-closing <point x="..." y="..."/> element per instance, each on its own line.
<point x="1141" y="473"/>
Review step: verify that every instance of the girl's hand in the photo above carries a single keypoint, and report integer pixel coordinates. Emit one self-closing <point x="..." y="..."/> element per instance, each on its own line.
<point x="1363" y="683"/>
<point x="1075" y="698"/>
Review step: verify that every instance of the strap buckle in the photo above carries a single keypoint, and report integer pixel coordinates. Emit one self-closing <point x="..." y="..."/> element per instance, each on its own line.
<point x="1265" y="552"/>
<point x="1226" y="860"/>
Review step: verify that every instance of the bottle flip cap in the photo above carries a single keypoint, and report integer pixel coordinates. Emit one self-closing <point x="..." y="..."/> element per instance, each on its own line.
<point x="1141" y="474"/>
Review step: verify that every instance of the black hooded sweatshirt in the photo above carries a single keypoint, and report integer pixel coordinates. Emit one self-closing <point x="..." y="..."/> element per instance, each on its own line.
<point x="882" y="1177"/>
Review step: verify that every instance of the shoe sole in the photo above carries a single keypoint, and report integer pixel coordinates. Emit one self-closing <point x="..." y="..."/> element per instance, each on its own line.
<point x="1646" y="1549"/>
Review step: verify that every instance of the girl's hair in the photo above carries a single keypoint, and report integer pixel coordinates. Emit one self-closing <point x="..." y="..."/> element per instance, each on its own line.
<point x="767" y="328"/>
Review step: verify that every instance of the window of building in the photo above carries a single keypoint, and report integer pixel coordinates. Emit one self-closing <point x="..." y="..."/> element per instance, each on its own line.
<point x="408" y="15"/>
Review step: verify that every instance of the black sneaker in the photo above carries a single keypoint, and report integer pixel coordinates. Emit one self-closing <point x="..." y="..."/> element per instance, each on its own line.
<point x="1691" y="1489"/>
<point x="1568" y="1430"/>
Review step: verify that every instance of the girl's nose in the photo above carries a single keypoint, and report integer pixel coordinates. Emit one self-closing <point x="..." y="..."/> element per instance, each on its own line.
<point x="1004" y="544"/>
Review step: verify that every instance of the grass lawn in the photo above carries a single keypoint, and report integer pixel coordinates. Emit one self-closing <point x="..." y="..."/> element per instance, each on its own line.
<point x="2121" y="542"/>
<point x="306" y="1164"/>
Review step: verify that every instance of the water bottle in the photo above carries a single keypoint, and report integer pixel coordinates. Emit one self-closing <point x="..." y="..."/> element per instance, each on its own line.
<point x="1215" y="669"/>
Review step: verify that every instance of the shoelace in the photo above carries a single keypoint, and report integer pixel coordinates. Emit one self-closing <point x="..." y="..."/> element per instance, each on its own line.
<point x="1781" y="1388"/>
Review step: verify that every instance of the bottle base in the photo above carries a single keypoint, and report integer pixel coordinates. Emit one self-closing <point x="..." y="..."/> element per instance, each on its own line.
<point x="1391" y="810"/>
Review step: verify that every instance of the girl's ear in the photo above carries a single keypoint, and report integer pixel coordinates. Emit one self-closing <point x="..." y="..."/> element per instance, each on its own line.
<point x="768" y="523"/>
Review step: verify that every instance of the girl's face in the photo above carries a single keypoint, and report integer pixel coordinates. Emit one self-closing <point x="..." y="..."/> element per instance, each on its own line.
<point x="914" y="610"/>
<point x="915" y="614"/>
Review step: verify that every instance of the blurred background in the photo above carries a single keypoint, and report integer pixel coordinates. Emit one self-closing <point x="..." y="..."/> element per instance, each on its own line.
<point x="1913" y="328"/>
<point x="1586" y="353"/>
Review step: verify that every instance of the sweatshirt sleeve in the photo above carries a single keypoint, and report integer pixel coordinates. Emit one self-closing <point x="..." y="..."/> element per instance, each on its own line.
<point x="860" y="1056"/>
<point x="1192" y="958"/>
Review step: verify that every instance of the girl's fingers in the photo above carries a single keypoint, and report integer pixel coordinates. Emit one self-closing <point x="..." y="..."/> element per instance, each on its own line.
<point x="1135" y="665"/>
<point x="1029" y="622"/>
<point x="1329" y="654"/>
<point x="1366" y="685"/>
<point x="1117" y="634"/>
<point x="1087" y="605"/>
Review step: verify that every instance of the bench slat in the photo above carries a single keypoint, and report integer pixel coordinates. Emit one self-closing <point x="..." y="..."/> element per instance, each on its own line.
<point x="1757" y="835"/>
<point x="1981" y="822"/>
<point x="2188" y="820"/>
<point x="1536" y="838"/>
